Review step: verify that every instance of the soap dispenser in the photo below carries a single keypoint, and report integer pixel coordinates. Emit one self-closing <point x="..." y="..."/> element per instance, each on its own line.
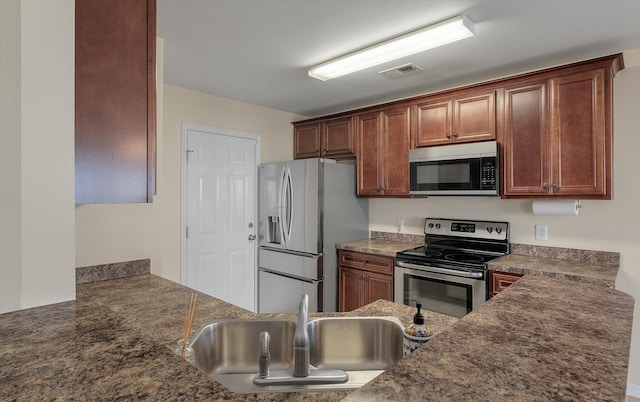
<point x="417" y="333"/>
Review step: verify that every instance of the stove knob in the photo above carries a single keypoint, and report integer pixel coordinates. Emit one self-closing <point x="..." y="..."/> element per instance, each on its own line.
<point x="437" y="226"/>
<point x="498" y="230"/>
<point x="430" y="225"/>
<point x="489" y="229"/>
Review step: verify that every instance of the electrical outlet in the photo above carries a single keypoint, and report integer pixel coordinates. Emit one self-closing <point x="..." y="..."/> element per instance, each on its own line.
<point x="541" y="232"/>
<point x="400" y="223"/>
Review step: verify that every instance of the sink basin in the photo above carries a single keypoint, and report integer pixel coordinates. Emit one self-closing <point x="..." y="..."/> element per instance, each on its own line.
<point x="232" y="347"/>
<point x="228" y="350"/>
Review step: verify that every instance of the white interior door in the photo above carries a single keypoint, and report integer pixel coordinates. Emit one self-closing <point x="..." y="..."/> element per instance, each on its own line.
<point x="220" y="215"/>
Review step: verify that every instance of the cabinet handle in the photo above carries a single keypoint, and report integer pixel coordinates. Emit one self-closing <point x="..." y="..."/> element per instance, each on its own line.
<point x="555" y="186"/>
<point x="545" y="186"/>
<point x="455" y="135"/>
<point x="448" y="135"/>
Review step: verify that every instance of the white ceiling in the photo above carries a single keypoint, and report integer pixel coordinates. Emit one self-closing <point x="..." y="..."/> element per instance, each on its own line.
<point x="259" y="51"/>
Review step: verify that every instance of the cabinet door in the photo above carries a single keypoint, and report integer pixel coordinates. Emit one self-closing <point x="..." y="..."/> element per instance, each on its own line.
<point x="432" y="123"/>
<point x="377" y="286"/>
<point x="351" y="291"/>
<point x="306" y="141"/>
<point x="580" y="144"/>
<point x="474" y="117"/>
<point x="338" y="138"/>
<point x="369" y="157"/>
<point x="395" y="163"/>
<point x="526" y="139"/>
<point x="498" y="281"/>
<point x="115" y="102"/>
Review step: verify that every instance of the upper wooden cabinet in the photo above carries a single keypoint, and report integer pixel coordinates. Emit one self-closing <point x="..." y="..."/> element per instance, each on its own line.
<point x="115" y="101"/>
<point x="557" y="139"/>
<point x="469" y="116"/>
<point x="334" y="138"/>
<point x="383" y="152"/>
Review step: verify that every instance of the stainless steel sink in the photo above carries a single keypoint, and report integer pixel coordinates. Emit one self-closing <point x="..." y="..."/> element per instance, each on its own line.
<point x="228" y="350"/>
<point x="232" y="347"/>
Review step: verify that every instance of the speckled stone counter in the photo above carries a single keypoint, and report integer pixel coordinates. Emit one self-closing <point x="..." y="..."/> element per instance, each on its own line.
<point x="115" y="342"/>
<point x="381" y="243"/>
<point x="542" y="339"/>
<point x="597" y="267"/>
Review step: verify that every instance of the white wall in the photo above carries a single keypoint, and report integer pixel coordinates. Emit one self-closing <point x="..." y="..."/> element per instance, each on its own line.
<point x="39" y="250"/>
<point x="600" y="225"/>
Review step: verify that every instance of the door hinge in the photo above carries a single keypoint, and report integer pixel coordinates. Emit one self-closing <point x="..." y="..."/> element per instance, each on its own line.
<point x="188" y="151"/>
<point x="187" y="232"/>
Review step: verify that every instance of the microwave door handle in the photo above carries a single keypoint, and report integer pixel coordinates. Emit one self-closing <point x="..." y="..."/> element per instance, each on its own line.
<point x="439" y="270"/>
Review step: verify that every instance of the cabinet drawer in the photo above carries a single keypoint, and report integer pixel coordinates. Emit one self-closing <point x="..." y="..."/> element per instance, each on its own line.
<point x="502" y="280"/>
<point x="367" y="262"/>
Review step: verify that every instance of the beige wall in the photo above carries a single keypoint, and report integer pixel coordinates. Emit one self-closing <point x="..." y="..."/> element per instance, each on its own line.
<point x="186" y="106"/>
<point x="600" y="225"/>
<point x="37" y="192"/>
<point x="107" y="233"/>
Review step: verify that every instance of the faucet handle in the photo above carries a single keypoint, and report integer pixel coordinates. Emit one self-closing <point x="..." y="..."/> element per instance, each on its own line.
<point x="265" y="356"/>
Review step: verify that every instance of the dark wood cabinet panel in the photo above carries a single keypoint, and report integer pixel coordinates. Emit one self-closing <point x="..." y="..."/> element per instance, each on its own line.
<point x="578" y="136"/>
<point x="364" y="278"/>
<point x="351" y="293"/>
<point x="377" y="286"/>
<point x="465" y="117"/>
<point x="383" y="153"/>
<point x="433" y="123"/>
<point x="370" y="156"/>
<point x="498" y="281"/>
<point x="396" y="131"/>
<point x="115" y="113"/>
<point x="526" y="140"/>
<point x="338" y="139"/>
<point x="334" y="138"/>
<point x="557" y="135"/>
<point x="474" y="117"/>
<point x="306" y="141"/>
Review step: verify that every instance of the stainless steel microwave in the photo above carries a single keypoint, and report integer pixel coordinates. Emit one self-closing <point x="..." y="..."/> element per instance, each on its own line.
<point x="460" y="169"/>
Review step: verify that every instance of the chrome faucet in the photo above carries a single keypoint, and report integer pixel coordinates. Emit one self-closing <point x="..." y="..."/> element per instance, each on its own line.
<point x="301" y="341"/>
<point x="265" y="357"/>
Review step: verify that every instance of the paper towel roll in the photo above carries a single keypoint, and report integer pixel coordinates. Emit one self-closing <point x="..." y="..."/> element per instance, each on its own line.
<point x="556" y="207"/>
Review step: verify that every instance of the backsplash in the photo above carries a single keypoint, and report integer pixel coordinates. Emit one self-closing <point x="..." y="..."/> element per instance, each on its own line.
<point x="570" y="254"/>
<point x="105" y="272"/>
<point x="410" y="238"/>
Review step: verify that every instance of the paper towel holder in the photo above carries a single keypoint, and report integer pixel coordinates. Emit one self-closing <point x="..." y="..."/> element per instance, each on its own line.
<point x="556" y="207"/>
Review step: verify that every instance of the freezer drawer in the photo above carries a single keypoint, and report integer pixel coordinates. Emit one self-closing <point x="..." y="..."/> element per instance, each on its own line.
<point x="292" y="264"/>
<point x="282" y="294"/>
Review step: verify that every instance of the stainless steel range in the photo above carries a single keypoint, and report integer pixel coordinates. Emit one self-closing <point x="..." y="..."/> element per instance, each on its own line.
<point x="448" y="274"/>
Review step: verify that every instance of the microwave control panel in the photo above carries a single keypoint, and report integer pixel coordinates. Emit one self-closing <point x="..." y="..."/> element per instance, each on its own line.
<point x="489" y="173"/>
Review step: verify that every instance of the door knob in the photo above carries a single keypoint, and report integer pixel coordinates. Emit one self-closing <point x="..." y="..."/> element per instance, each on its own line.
<point x="252" y="237"/>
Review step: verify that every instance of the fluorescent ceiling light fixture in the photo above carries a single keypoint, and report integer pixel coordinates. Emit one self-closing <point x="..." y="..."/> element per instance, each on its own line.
<point x="441" y="33"/>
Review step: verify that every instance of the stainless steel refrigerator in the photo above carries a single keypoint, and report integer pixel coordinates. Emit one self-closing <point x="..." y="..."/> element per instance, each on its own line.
<point x="306" y="207"/>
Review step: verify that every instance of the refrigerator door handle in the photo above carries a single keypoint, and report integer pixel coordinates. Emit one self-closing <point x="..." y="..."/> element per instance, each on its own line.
<point x="287" y="205"/>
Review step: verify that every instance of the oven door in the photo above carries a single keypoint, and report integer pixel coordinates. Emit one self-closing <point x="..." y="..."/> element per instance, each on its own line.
<point x="441" y="292"/>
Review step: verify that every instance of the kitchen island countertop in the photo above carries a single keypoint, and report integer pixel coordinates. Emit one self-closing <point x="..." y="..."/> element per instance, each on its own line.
<point x="540" y="339"/>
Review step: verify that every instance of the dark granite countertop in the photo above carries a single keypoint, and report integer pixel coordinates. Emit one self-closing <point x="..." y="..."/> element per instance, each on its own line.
<point x="597" y="267"/>
<point x="116" y="341"/>
<point x="541" y="339"/>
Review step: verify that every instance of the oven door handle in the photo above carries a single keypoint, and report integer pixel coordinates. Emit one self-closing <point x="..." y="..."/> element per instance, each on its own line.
<point x="440" y="270"/>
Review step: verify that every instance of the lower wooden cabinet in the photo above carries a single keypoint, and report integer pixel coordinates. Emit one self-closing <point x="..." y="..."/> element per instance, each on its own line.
<point x="364" y="278"/>
<point x="499" y="281"/>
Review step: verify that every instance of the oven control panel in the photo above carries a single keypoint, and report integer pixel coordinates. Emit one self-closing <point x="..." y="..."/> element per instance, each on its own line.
<point x="467" y="228"/>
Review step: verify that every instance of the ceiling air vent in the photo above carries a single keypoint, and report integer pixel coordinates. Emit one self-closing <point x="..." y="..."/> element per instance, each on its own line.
<point x="400" y="71"/>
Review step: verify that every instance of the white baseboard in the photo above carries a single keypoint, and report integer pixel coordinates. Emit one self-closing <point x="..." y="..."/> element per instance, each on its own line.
<point x="633" y="390"/>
